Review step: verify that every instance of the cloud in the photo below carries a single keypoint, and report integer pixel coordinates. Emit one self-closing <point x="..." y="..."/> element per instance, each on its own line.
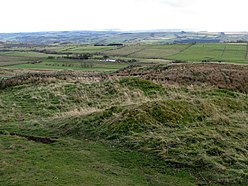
<point x="177" y="3"/>
<point x="29" y="15"/>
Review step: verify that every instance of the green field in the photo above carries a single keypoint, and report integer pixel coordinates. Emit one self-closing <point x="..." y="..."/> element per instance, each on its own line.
<point x="125" y="51"/>
<point x="148" y="51"/>
<point x="38" y="58"/>
<point x="25" y="54"/>
<point x="61" y="48"/>
<point x="64" y="64"/>
<point x="12" y="60"/>
<point x="233" y="53"/>
<point x="230" y="53"/>
<point x="76" y="48"/>
<point x="159" y="51"/>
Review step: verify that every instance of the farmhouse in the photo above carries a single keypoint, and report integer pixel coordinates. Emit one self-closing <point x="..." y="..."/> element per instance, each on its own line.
<point x="110" y="60"/>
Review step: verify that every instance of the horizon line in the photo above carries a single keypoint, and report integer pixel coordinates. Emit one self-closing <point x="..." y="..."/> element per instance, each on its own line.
<point x="126" y="30"/>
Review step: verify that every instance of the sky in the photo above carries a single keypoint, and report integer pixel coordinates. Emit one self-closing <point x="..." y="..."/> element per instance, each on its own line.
<point x="66" y="15"/>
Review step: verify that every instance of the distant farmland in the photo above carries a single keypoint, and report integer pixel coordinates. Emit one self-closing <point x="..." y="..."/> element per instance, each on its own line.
<point x="235" y="53"/>
<point x="202" y="52"/>
<point x="67" y="57"/>
<point x="10" y="60"/>
<point x="148" y="51"/>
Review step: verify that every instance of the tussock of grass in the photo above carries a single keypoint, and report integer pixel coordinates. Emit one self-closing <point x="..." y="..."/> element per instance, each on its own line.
<point x="149" y="88"/>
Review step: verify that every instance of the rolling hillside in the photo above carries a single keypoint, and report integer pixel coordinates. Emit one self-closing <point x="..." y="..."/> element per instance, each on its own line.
<point x="154" y="125"/>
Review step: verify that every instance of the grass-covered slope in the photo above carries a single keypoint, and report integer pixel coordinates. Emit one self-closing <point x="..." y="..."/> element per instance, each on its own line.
<point x="208" y="135"/>
<point x="191" y="134"/>
<point x="81" y="162"/>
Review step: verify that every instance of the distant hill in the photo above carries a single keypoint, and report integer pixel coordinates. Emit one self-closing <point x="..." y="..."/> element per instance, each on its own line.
<point x="107" y="37"/>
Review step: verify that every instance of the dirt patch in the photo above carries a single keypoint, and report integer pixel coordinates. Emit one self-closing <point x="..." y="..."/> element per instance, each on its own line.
<point x="44" y="140"/>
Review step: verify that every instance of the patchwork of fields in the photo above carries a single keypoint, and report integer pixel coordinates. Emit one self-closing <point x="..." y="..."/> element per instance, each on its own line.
<point x="52" y="57"/>
<point x="230" y="53"/>
<point x="148" y="51"/>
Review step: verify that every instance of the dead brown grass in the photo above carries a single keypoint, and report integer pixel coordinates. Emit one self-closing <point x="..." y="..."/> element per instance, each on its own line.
<point x="228" y="76"/>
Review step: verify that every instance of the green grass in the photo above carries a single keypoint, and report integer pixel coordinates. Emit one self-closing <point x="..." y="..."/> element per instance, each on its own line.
<point x="60" y="97"/>
<point x="77" y="162"/>
<point x="125" y="51"/>
<point x="207" y="135"/>
<point x="160" y="51"/>
<point x="148" y="51"/>
<point x="72" y="160"/>
<point x="77" y="48"/>
<point x="149" y="88"/>
<point x="60" y="48"/>
<point x="25" y="54"/>
<point x="58" y="67"/>
<point x="218" y="52"/>
<point x="198" y="130"/>
<point x="12" y="60"/>
<point x="213" y="53"/>
<point x="231" y="53"/>
<point x="61" y="64"/>
<point x="20" y="58"/>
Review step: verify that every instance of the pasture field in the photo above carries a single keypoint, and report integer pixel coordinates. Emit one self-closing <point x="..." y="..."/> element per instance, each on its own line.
<point x="125" y="51"/>
<point x="148" y="51"/>
<point x="160" y="51"/>
<point x="234" y="53"/>
<point x="11" y="60"/>
<point x="54" y="50"/>
<point x="79" y="49"/>
<point x="28" y="58"/>
<point x="230" y="53"/>
<point x="66" y="64"/>
<point x="27" y="54"/>
<point x="204" y="52"/>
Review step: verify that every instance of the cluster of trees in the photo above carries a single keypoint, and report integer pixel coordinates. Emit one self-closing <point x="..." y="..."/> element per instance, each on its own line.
<point x="111" y="44"/>
<point x="66" y="64"/>
<point x="126" y="60"/>
<point x="79" y="56"/>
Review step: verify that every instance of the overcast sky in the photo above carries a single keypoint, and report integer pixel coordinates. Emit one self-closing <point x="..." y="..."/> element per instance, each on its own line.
<point x="54" y="15"/>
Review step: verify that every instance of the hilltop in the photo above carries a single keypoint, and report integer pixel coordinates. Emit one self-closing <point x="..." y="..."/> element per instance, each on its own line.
<point x="131" y="37"/>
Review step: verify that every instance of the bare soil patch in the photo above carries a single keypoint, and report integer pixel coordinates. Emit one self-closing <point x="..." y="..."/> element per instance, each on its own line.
<point x="44" y="140"/>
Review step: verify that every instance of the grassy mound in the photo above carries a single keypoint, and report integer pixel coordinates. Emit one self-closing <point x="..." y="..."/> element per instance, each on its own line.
<point x="200" y="129"/>
<point x="196" y="135"/>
